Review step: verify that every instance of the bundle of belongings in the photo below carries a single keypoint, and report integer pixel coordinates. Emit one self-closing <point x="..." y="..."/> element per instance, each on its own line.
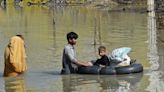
<point x="119" y="56"/>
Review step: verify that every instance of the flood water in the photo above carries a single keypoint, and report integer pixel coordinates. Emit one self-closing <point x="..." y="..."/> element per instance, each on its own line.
<point x="44" y="30"/>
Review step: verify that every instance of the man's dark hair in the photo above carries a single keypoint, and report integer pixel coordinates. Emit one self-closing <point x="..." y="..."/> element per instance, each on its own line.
<point x="72" y="35"/>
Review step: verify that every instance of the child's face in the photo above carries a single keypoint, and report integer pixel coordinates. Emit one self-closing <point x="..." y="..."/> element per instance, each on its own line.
<point x="102" y="52"/>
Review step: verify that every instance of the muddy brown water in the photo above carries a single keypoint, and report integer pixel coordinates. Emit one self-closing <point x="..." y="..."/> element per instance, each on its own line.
<point x="44" y="30"/>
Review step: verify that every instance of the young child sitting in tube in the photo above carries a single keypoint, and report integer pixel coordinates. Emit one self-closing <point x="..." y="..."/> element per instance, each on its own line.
<point x="104" y="60"/>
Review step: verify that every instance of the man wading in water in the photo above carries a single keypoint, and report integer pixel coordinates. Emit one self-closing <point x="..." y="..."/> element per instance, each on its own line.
<point x="69" y="60"/>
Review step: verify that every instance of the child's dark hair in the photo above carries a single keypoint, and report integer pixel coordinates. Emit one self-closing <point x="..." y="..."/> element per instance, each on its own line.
<point x="102" y="48"/>
<point x="72" y="35"/>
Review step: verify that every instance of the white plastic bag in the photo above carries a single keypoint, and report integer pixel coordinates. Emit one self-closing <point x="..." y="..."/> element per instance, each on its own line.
<point x="120" y="54"/>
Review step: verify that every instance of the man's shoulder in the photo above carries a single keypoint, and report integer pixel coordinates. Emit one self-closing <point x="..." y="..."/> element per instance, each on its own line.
<point x="67" y="46"/>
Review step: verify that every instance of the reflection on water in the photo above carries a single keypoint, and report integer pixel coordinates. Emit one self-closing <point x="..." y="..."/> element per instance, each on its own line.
<point x="157" y="83"/>
<point x="152" y="30"/>
<point x="92" y="83"/>
<point x="16" y="84"/>
<point x="44" y="30"/>
<point x="156" y="77"/>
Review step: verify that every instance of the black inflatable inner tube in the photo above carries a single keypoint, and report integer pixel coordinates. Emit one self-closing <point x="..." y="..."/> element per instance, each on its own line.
<point x="89" y="70"/>
<point x="110" y="70"/>
<point x="133" y="68"/>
